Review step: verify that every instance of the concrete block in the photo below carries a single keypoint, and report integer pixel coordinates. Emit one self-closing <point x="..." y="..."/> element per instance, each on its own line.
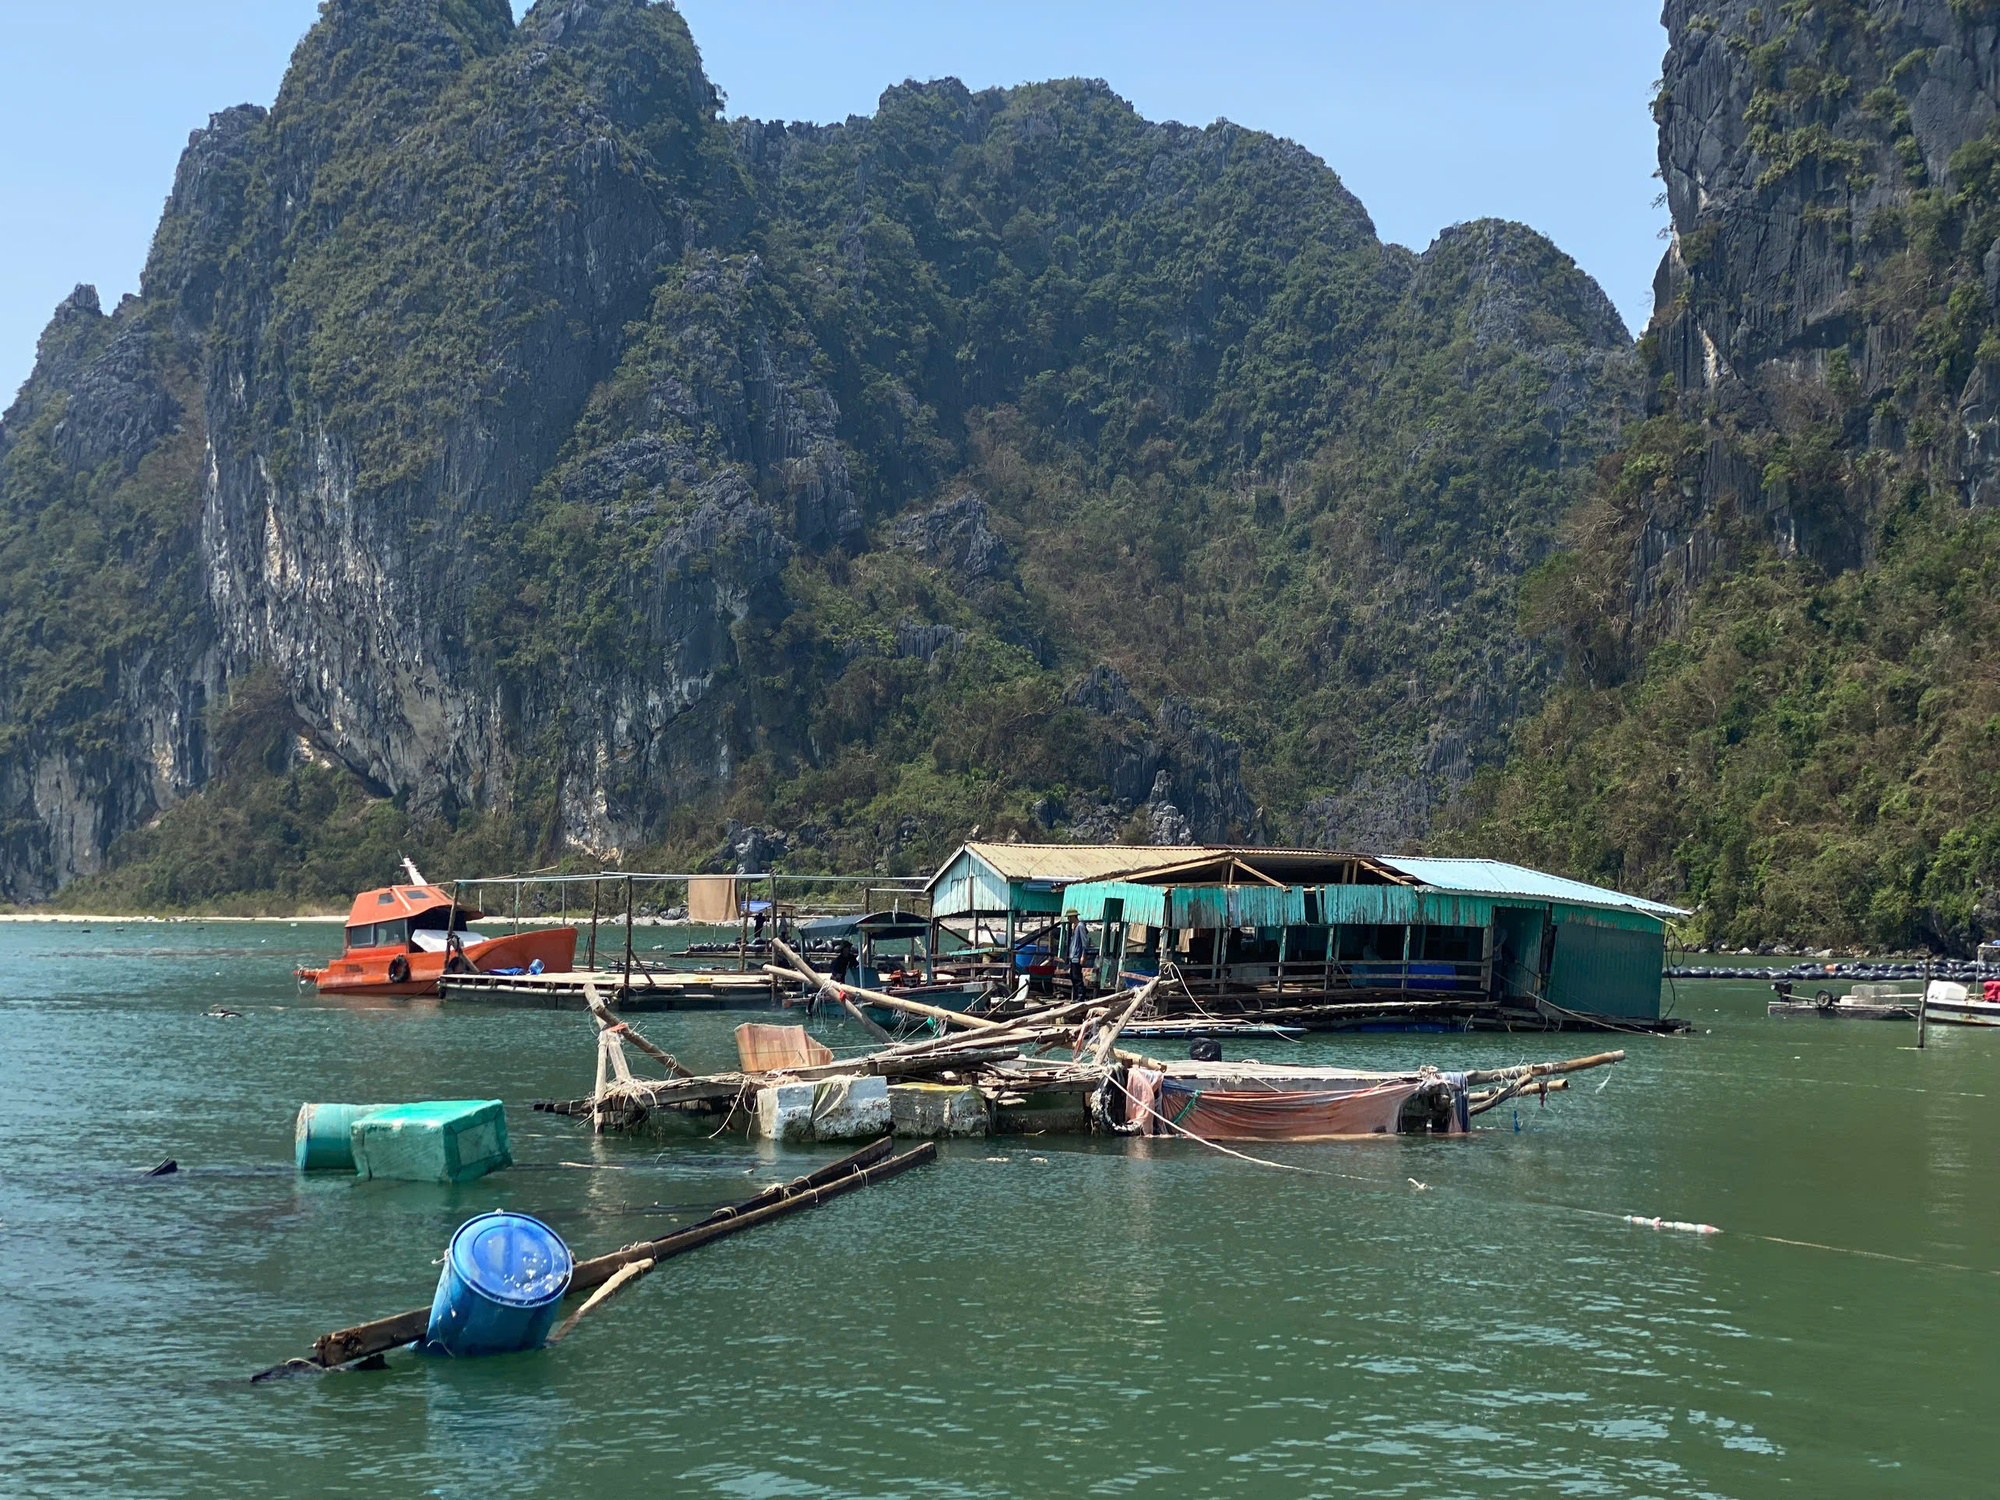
<point x="934" y="1109"/>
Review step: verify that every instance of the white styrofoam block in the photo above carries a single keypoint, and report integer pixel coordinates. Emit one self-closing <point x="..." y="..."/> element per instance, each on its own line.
<point x="933" y="1109"/>
<point x="846" y="1109"/>
<point x="784" y="1112"/>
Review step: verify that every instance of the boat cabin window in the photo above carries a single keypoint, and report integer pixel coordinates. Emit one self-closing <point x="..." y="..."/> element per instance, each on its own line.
<point x="378" y="935"/>
<point x="434" y="920"/>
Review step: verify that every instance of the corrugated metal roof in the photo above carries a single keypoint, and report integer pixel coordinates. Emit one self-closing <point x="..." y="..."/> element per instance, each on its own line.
<point x="1066" y="862"/>
<point x="1495" y="877"/>
<point x="1080" y="861"/>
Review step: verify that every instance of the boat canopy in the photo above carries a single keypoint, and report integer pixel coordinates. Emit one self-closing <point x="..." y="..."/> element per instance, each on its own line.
<point x="392" y="902"/>
<point x="877" y="926"/>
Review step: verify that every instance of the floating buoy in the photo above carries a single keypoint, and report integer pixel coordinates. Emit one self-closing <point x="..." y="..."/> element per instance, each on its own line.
<point x="1680" y="1224"/>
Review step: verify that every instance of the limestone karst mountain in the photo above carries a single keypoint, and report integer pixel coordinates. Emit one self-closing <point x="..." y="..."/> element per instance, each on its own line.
<point x="509" y="456"/>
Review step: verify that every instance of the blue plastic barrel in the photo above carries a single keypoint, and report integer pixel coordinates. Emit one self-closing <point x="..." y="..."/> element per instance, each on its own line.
<point x="503" y="1277"/>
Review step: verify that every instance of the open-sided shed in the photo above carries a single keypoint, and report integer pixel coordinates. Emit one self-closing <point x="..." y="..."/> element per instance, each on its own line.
<point x="1273" y="929"/>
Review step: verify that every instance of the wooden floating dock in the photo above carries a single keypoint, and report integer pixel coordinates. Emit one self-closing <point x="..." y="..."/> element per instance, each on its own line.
<point x="990" y="1076"/>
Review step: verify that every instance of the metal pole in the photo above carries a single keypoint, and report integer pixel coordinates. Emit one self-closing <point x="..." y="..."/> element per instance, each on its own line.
<point x="1924" y="1003"/>
<point x="590" y="962"/>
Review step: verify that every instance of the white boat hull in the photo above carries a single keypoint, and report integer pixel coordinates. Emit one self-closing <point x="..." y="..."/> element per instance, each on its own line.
<point x="1962" y="1013"/>
<point x="1948" y="1004"/>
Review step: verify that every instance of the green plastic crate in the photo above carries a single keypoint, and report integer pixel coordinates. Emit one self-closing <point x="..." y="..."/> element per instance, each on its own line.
<point x="441" y="1140"/>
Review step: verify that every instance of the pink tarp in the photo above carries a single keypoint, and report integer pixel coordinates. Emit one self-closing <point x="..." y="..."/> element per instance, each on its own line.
<point x="1218" y="1115"/>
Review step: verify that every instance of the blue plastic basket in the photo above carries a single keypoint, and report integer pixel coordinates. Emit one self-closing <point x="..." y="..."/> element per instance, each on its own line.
<point x="503" y="1278"/>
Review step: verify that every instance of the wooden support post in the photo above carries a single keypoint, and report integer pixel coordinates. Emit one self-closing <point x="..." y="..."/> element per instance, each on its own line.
<point x="607" y="1022"/>
<point x="1924" y="1004"/>
<point x="1101" y="1048"/>
<point x="625" y="992"/>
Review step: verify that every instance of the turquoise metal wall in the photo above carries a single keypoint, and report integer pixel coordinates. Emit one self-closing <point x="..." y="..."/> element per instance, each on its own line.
<point x="1606" y="971"/>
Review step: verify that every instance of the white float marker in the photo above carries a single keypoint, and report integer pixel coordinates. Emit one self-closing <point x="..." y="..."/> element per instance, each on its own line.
<point x="1680" y="1224"/>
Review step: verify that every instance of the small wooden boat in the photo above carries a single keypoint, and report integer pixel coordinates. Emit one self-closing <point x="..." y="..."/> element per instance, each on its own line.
<point x="402" y="939"/>
<point x="890" y="952"/>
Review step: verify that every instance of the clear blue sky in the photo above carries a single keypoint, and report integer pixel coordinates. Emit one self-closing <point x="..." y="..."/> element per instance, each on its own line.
<point x="1432" y="111"/>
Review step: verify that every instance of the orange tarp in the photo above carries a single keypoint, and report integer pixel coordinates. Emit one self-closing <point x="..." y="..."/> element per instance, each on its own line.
<point x="772" y="1049"/>
<point x="1218" y="1116"/>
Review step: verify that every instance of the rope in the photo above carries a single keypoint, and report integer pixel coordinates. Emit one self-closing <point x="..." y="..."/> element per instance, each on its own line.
<point x="1278" y="1166"/>
<point x="1595" y="1213"/>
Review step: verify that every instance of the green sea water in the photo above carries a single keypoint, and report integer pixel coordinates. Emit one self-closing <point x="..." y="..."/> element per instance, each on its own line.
<point x="1048" y="1316"/>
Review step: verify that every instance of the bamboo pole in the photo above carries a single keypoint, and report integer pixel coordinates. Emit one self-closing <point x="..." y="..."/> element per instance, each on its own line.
<point x="1101" y="1047"/>
<point x="826" y="987"/>
<point x="1543" y="1070"/>
<point x="957" y="1017"/>
<point x="606" y="1021"/>
<point x="857" y="1170"/>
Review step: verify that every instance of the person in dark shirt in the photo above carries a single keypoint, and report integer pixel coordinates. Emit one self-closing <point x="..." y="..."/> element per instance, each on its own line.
<point x="844" y="965"/>
<point x="1076" y="952"/>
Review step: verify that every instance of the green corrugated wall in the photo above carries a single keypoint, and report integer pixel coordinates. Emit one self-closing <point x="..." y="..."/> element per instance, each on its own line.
<point x="1604" y="970"/>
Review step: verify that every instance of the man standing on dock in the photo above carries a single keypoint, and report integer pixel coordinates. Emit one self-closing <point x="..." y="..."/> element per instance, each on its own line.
<point x="1076" y="952"/>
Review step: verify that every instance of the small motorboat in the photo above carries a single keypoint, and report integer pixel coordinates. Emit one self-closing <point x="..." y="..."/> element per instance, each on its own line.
<point x="1948" y="1003"/>
<point x="401" y="939"/>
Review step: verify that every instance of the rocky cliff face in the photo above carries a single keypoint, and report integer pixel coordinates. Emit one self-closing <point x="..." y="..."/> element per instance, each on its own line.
<point x="1778" y="604"/>
<point x="1803" y="149"/>
<point x="577" y="459"/>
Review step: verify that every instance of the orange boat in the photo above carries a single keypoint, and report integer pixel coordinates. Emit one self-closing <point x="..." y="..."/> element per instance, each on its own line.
<point x="402" y="938"/>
